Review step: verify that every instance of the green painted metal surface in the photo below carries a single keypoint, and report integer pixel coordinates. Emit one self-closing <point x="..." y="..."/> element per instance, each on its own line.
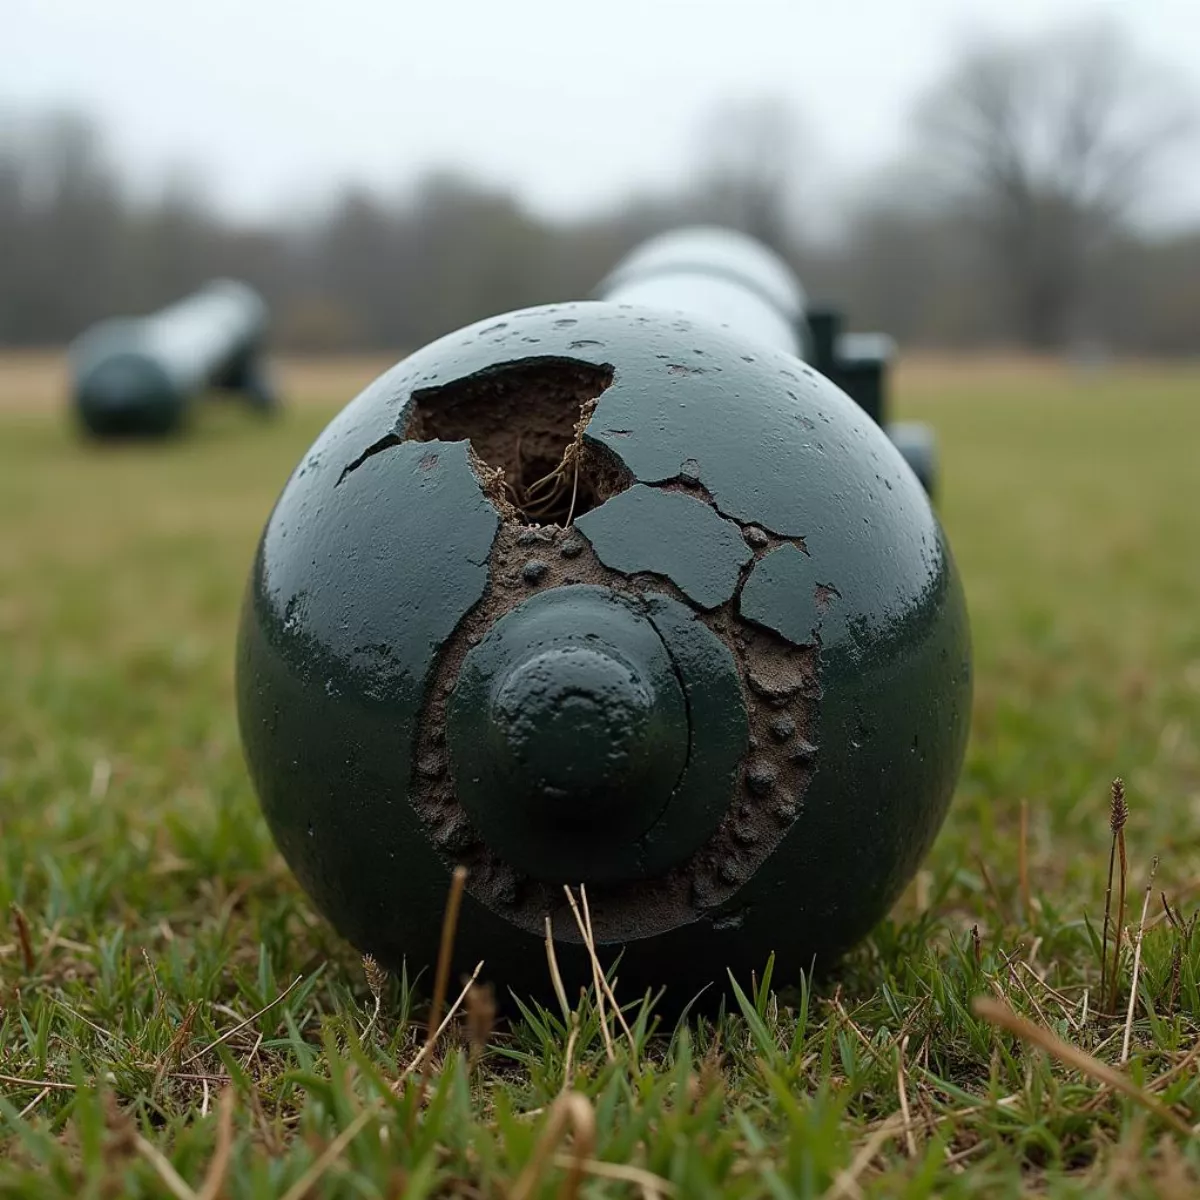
<point x="773" y="591"/>
<point x="731" y="280"/>
<point x="859" y="364"/>
<point x="736" y="761"/>
<point x="139" y="376"/>
<point x="647" y="529"/>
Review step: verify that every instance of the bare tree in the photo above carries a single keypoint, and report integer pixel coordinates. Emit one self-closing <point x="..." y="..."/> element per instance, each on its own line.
<point x="750" y="152"/>
<point x="1051" y="144"/>
<point x="64" y="222"/>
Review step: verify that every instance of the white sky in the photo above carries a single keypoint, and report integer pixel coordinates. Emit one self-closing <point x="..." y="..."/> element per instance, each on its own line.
<point x="272" y="102"/>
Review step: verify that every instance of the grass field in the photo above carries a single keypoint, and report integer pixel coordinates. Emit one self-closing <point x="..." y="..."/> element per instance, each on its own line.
<point x="149" y="1042"/>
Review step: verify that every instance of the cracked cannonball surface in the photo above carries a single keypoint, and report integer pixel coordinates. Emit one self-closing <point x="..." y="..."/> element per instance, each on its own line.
<point x="590" y="594"/>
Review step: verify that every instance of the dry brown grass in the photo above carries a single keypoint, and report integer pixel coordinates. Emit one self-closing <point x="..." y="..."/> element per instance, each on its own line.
<point x="317" y="380"/>
<point x="32" y="380"/>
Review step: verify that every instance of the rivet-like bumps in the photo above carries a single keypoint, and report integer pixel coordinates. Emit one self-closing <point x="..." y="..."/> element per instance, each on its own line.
<point x="784" y="622"/>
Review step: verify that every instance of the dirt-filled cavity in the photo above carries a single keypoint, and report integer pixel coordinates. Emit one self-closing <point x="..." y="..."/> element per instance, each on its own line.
<point x="526" y="419"/>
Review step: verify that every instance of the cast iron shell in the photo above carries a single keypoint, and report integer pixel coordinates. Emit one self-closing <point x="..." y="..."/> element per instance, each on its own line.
<point x="745" y="511"/>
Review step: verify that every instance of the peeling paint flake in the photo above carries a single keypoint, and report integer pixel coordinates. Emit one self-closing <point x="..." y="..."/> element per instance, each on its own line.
<point x="669" y="533"/>
<point x="780" y="595"/>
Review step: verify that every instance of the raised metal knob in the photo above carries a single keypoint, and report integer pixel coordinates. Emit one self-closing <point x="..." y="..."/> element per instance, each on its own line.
<point x="568" y="733"/>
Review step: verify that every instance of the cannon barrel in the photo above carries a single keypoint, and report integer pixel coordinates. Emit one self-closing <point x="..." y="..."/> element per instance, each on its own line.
<point x="733" y="280"/>
<point x="139" y="375"/>
<point x="603" y="594"/>
<point x="717" y="274"/>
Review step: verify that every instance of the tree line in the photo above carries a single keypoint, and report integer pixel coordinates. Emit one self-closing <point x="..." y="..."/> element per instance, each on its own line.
<point x="1013" y="221"/>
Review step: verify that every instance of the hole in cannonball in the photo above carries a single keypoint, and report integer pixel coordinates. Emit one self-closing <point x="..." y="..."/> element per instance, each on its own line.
<point x="526" y="418"/>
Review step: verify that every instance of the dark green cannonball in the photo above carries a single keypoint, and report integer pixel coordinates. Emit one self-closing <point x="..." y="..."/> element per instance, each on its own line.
<point x="592" y="594"/>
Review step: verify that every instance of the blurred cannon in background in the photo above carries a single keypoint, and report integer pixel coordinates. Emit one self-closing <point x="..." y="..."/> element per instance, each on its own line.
<point x="140" y="375"/>
<point x="733" y="280"/>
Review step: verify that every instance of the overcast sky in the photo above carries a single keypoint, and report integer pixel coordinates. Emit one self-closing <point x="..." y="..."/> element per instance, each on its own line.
<point x="573" y="104"/>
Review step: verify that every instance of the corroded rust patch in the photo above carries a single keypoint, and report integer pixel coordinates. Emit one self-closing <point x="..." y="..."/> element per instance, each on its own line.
<point x="774" y="777"/>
